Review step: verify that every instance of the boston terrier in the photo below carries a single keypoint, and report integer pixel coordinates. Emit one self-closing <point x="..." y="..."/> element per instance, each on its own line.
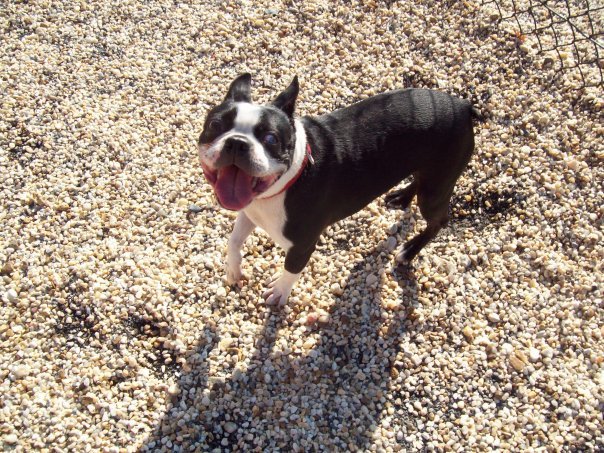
<point x="293" y="177"/>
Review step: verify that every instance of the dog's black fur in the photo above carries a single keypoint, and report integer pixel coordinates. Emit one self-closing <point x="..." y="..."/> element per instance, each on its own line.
<point x="362" y="151"/>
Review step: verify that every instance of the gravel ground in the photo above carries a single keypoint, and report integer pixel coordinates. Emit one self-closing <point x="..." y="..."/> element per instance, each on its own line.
<point x="117" y="332"/>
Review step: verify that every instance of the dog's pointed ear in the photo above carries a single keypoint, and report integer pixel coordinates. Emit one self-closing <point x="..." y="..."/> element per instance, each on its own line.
<point x="286" y="101"/>
<point x="240" y="89"/>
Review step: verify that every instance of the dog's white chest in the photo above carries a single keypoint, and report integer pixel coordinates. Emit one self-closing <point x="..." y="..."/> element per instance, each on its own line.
<point x="269" y="214"/>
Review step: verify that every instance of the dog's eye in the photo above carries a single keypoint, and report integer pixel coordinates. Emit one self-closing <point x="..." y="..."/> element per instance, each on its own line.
<point x="270" y="139"/>
<point x="215" y="126"/>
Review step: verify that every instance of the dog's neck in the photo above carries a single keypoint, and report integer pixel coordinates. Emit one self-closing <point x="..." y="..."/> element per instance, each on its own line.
<point x="298" y="161"/>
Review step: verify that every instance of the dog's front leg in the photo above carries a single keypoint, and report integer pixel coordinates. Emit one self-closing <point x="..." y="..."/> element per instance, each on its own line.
<point x="295" y="261"/>
<point x="242" y="229"/>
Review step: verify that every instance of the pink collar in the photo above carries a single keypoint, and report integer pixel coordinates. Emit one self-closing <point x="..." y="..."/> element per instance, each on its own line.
<point x="307" y="158"/>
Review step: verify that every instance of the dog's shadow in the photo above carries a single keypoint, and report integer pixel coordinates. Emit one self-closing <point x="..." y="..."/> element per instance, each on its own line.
<point x="330" y="398"/>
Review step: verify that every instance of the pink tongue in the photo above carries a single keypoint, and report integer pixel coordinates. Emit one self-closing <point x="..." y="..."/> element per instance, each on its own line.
<point x="233" y="188"/>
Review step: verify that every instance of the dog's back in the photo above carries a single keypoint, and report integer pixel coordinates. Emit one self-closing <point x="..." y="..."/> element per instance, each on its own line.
<point x="364" y="150"/>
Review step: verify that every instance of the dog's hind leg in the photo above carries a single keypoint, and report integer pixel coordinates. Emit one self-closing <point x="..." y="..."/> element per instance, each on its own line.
<point x="401" y="198"/>
<point x="433" y="202"/>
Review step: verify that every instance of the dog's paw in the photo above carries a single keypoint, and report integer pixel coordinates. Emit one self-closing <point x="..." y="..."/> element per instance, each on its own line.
<point x="280" y="288"/>
<point x="408" y="252"/>
<point x="234" y="275"/>
<point x="400" y="257"/>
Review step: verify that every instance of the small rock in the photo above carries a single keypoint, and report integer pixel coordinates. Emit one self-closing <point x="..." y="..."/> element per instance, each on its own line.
<point x="309" y="343"/>
<point x="518" y="360"/>
<point x="416" y="360"/>
<point x="195" y="209"/>
<point x="390" y="243"/>
<point x="12" y="295"/>
<point x="230" y="427"/>
<point x="7" y="269"/>
<point x="226" y="343"/>
<point x="547" y="352"/>
<point x="321" y="317"/>
<point x="493" y="317"/>
<point x="11" y="439"/>
<point x="573" y="164"/>
<point x="507" y="348"/>
<point x="371" y="279"/>
<point x="173" y="390"/>
<point x="221" y="293"/>
<point x="311" y="319"/>
<point x="522" y="356"/>
<point x="336" y="289"/>
<point x="516" y="363"/>
<point x="391" y="304"/>
<point x="21" y="371"/>
<point x="534" y="355"/>
<point x="468" y="333"/>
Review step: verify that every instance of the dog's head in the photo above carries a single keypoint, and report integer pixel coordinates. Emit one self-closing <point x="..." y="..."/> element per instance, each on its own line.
<point x="245" y="148"/>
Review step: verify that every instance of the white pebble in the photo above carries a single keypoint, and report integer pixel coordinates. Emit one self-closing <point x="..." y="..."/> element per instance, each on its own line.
<point x="21" y="371"/>
<point x="11" y="439"/>
<point x="12" y="296"/>
<point x="507" y="348"/>
<point x="221" y="293"/>
<point x="493" y="317"/>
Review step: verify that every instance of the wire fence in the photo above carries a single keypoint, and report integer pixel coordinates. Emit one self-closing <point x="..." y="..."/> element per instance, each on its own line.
<point x="571" y="30"/>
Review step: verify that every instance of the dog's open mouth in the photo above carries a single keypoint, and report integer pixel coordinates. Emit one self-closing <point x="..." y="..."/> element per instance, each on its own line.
<point x="234" y="188"/>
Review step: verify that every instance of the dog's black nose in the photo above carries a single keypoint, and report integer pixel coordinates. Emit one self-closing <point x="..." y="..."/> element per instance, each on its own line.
<point x="236" y="146"/>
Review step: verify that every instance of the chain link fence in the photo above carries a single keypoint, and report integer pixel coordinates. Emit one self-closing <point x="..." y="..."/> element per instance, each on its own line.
<point x="570" y="33"/>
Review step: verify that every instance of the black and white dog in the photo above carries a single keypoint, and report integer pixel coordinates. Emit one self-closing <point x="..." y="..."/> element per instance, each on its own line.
<point x="293" y="177"/>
